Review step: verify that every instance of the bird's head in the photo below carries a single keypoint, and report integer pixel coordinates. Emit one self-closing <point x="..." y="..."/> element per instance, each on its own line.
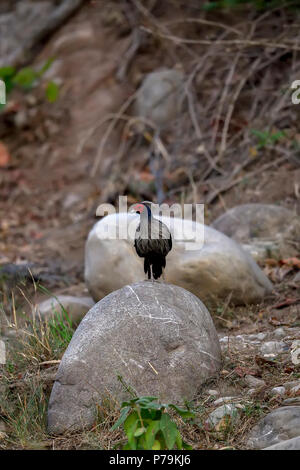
<point x="143" y="208"/>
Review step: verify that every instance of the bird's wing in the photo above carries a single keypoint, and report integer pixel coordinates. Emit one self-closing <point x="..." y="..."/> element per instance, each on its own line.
<point x="170" y="242"/>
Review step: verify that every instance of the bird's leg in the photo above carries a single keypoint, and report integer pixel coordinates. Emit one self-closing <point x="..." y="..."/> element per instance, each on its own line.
<point x="149" y="272"/>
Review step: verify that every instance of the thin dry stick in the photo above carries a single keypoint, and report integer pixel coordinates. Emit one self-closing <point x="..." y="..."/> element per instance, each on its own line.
<point x="262" y="42"/>
<point x="231" y="108"/>
<point x="159" y="26"/>
<point x="108" y="131"/>
<point x="229" y="185"/>
<point x="223" y="98"/>
<point x="229" y="29"/>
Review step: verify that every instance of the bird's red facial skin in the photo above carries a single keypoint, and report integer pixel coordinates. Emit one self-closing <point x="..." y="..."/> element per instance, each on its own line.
<point x="139" y="208"/>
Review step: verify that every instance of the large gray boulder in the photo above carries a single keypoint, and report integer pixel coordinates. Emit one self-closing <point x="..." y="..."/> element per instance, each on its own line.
<point x="290" y="444"/>
<point x="211" y="270"/>
<point x="27" y="23"/>
<point x="265" y="230"/>
<point x="160" y="97"/>
<point x="158" y="337"/>
<point x="275" y="427"/>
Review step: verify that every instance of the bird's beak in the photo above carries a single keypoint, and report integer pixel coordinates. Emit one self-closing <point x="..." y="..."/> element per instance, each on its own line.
<point x="138" y="208"/>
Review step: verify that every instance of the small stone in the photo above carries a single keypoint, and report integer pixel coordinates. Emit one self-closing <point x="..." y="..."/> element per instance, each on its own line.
<point x="219" y="413"/>
<point x="213" y="393"/>
<point x="70" y="200"/>
<point x="295" y="389"/>
<point x="2" y="426"/>
<point x="278" y="391"/>
<point x="2" y="352"/>
<point x="293" y="383"/>
<point x="160" y="97"/>
<point x="254" y="382"/>
<point x="221" y="400"/>
<point x="21" y="119"/>
<point x="295" y="352"/>
<point x="261" y="336"/>
<point x="31" y="100"/>
<point x="75" y="307"/>
<point x="279" y="333"/>
<point x="272" y="348"/>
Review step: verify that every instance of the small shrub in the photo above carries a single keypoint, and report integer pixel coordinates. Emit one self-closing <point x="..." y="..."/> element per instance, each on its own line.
<point x="148" y="426"/>
<point x="26" y="78"/>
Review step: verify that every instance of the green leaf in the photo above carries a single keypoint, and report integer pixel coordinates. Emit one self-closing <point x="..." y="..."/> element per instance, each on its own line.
<point x="52" y="92"/>
<point x="129" y="403"/>
<point x="151" y="432"/>
<point x="178" y="441"/>
<point x="123" y="416"/>
<point x="186" y="446"/>
<point x="25" y="77"/>
<point x="139" y="432"/>
<point x="147" y="414"/>
<point x="45" y="67"/>
<point x="6" y="72"/>
<point x="169" y="430"/>
<point x="156" y="445"/>
<point x="182" y="412"/>
<point x="130" y="425"/>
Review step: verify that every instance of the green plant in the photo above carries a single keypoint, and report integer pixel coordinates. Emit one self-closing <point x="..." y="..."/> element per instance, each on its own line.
<point x="149" y="426"/>
<point x="266" y="138"/>
<point x="257" y="4"/>
<point x="26" y="78"/>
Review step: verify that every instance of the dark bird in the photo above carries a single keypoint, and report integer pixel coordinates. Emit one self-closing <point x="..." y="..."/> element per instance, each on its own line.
<point x="153" y="241"/>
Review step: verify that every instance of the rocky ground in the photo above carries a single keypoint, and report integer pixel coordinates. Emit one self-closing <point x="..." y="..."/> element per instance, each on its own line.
<point x="60" y="160"/>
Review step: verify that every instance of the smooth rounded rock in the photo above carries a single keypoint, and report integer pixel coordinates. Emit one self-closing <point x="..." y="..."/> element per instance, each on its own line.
<point x="253" y="382"/>
<point x="278" y="391"/>
<point x="272" y="348"/>
<point x="290" y="444"/>
<point x="156" y="338"/>
<point x="277" y="426"/>
<point x="265" y="230"/>
<point x="212" y="269"/>
<point x="160" y="97"/>
<point x="219" y="413"/>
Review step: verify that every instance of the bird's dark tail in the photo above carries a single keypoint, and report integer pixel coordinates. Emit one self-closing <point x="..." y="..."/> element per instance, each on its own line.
<point x="147" y="267"/>
<point x="157" y="266"/>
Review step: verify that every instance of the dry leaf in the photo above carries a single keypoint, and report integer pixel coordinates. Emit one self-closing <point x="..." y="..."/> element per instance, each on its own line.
<point x="294" y="262"/>
<point x="4" y="156"/>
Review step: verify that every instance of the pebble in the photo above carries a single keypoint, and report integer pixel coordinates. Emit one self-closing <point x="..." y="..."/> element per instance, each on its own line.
<point x="291" y="384"/>
<point x="254" y="382"/>
<point x="272" y="348"/>
<point x="221" y="400"/>
<point x="213" y="393"/>
<point x="279" y="333"/>
<point x="295" y="389"/>
<point x="2" y="426"/>
<point x="278" y="391"/>
<point x="222" y="411"/>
